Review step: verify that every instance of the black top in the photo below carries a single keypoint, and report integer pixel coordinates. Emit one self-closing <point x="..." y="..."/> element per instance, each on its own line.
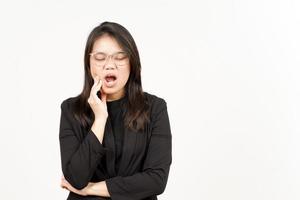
<point x="136" y="170"/>
<point x="115" y="114"/>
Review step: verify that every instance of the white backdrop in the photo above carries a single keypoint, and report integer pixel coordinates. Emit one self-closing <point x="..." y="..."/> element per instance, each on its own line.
<point x="229" y="71"/>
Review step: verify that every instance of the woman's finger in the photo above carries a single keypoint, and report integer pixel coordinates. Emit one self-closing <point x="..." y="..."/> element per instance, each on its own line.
<point x="63" y="184"/>
<point x="95" y="90"/>
<point x="96" y="81"/>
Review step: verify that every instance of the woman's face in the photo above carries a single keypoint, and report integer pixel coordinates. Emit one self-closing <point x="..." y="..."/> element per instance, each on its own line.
<point x="111" y="64"/>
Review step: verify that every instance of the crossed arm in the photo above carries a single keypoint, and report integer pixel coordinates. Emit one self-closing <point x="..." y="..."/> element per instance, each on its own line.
<point x="97" y="189"/>
<point x="78" y="167"/>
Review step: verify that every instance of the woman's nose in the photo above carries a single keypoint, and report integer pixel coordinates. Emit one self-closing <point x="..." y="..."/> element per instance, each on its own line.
<point x="110" y="64"/>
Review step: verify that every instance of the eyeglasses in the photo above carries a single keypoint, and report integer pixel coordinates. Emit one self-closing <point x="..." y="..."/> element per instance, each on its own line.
<point x="119" y="58"/>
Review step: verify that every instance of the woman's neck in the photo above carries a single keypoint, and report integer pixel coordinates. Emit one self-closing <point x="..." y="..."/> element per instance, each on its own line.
<point x="115" y="96"/>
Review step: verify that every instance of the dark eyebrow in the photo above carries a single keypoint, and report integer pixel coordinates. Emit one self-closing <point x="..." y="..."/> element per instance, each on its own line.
<point x="107" y="54"/>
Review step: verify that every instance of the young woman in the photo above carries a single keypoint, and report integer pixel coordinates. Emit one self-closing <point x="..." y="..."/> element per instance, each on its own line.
<point x="115" y="139"/>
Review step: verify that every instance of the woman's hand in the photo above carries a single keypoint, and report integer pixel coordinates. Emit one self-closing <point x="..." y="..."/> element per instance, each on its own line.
<point x="96" y="189"/>
<point x="98" y="105"/>
<point x="66" y="185"/>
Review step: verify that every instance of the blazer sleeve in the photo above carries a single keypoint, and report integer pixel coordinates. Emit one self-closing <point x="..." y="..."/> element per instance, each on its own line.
<point x="152" y="179"/>
<point x="79" y="157"/>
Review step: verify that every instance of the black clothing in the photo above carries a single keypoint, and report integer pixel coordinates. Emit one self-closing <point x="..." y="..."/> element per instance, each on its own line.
<point x="115" y="114"/>
<point x="135" y="165"/>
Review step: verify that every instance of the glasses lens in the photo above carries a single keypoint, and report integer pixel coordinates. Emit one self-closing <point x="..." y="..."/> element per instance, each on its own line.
<point x="99" y="58"/>
<point x="120" y="58"/>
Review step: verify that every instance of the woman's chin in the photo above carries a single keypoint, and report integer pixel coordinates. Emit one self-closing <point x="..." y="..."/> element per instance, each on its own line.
<point x="113" y="92"/>
<point x="109" y="91"/>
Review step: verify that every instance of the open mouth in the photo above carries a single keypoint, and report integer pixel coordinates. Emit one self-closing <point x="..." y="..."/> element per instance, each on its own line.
<point x="110" y="79"/>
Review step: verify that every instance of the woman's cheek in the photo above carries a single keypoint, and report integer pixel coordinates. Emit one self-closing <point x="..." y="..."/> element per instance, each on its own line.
<point x="94" y="72"/>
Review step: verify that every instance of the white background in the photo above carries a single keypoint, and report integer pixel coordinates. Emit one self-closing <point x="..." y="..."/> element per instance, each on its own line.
<point x="229" y="71"/>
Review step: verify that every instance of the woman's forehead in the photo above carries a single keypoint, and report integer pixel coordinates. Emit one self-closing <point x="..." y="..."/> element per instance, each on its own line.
<point x="106" y="44"/>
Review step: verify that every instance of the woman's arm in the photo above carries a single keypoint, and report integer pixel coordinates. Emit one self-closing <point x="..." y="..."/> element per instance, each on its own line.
<point x="81" y="152"/>
<point x="96" y="189"/>
<point x="79" y="157"/>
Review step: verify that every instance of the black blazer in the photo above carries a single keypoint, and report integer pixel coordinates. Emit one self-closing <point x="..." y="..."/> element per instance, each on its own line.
<point x="145" y="161"/>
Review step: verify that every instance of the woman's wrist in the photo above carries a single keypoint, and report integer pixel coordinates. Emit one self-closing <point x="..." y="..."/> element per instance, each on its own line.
<point x="98" y="128"/>
<point x="89" y="189"/>
<point x="100" y="120"/>
<point x="97" y="189"/>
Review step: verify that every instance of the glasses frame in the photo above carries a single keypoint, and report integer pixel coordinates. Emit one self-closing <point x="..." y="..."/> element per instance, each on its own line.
<point x="108" y="57"/>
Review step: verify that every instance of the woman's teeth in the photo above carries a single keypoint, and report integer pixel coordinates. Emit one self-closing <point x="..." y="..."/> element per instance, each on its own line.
<point x="108" y="79"/>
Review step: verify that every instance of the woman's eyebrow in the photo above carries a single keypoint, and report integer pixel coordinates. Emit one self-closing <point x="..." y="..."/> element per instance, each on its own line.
<point x="107" y="53"/>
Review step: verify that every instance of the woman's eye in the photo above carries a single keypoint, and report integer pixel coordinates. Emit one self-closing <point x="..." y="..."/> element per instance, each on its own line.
<point x="99" y="57"/>
<point x="120" y="56"/>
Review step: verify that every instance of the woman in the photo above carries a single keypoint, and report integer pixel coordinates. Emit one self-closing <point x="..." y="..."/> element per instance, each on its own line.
<point x="115" y="139"/>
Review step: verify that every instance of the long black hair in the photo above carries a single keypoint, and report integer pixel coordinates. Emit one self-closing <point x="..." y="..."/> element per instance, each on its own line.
<point x="137" y="108"/>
